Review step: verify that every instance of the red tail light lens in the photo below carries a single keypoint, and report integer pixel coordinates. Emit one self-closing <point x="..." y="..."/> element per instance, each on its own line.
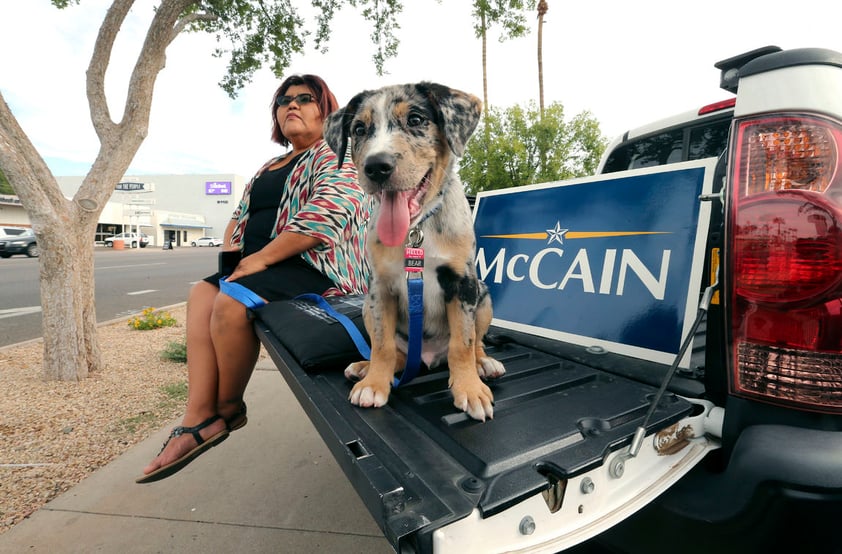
<point x="787" y="246"/>
<point x="785" y="262"/>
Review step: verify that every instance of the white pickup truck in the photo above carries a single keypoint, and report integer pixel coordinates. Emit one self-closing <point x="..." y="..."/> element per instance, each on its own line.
<point x="672" y="333"/>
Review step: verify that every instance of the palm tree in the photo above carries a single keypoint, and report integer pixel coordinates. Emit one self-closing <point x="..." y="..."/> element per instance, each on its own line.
<point x="508" y="14"/>
<point x="542" y="11"/>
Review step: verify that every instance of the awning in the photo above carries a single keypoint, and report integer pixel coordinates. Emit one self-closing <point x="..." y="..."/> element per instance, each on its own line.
<point x="184" y="224"/>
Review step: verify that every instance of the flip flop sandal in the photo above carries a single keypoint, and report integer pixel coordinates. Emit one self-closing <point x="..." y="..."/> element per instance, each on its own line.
<point x="202" y="445"/>
<point x="238" y="420"/>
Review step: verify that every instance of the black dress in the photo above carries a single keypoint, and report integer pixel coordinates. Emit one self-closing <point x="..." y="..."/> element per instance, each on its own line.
<point x="285" y="279"/>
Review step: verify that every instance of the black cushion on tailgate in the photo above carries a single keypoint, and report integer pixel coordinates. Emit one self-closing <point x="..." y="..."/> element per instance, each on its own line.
<point x="314" y="338"/>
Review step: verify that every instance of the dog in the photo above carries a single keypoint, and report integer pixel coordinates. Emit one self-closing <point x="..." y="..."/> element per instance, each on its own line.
<point x="405" y="141"/>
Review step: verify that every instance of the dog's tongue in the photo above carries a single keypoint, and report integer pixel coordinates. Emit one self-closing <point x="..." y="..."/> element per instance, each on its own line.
<point x="393" y="221"/>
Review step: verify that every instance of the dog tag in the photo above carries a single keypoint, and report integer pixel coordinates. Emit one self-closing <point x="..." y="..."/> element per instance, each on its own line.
<point x="413" y="259"/>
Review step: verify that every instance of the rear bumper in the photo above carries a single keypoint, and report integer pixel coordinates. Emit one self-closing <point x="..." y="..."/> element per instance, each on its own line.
<point x="787" y="461"/>
<point x="781" y="491"/>
<point x="12" y="250"/>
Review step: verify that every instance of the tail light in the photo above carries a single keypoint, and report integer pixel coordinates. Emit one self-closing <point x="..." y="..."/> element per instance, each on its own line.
<point x="785" y="262"/>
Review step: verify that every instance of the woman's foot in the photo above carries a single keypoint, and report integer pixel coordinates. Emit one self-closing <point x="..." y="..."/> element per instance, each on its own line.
<point x="183" y="445"/>
<point x="237" y="420"/>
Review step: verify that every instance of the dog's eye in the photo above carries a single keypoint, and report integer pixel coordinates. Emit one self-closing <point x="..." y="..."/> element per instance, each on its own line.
<point x="358" y="130"/>
<point x="414" y="119"/>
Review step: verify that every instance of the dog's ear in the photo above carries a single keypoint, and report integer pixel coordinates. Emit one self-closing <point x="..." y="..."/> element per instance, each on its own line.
<point x="458" y="113"/>
<point x="337" y="127"/>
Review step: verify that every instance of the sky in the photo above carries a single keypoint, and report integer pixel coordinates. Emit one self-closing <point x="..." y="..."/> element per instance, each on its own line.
<point x="627" y="63"/>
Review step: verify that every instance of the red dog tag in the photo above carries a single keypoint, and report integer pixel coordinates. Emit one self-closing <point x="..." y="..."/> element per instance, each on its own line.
<point x="413" y="259"/>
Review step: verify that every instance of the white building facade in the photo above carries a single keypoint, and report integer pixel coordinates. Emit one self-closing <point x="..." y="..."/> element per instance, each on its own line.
<point x="174" y="208"/>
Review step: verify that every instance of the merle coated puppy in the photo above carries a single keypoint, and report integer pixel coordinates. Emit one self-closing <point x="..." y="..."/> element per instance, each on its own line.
<point x="405" y="141"/>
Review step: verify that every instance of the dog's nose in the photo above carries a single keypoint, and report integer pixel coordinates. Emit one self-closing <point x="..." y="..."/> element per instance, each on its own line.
<point x="379" y="167"/>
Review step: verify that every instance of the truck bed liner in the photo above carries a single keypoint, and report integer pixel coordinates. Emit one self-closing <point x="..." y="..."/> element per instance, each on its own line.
<point x="418" y="463"/>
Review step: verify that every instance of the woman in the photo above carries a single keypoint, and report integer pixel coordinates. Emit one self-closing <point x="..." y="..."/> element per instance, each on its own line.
<point x="299" y="228"/>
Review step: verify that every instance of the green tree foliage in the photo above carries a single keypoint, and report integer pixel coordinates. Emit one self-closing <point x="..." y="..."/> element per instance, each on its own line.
<point x="510" y="16"/>
<point x="5" y="187"/>
<point x="257" y="33"/>
<point x="270" y="33"/>
<point x="517" y="147"/>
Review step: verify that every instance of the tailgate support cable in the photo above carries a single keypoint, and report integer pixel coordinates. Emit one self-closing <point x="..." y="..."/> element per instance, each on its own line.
<point x="640" y="433"/>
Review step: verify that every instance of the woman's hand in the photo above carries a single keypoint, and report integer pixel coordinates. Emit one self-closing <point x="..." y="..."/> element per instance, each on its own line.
<point x="284" y="246"/>
<point x="253" y="263"/>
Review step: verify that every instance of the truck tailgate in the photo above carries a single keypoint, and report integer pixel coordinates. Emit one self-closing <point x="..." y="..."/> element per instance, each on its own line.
<point x="419" y="464"/>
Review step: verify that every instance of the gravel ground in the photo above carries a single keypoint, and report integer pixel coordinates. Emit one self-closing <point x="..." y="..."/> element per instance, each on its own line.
<point x="53" y="434"/>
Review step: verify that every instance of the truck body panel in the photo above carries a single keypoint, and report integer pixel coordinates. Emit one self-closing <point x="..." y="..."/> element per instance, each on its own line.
<point x="723" y="466"/>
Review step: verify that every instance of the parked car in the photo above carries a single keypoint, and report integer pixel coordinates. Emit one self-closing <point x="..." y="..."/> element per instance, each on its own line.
<point x="207" y="241"/>
<point x="18" y="241"/>
<point x="131" y="240"/>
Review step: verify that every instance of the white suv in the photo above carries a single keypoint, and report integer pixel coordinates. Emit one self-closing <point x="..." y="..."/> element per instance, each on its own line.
<point x="131" y="240"/>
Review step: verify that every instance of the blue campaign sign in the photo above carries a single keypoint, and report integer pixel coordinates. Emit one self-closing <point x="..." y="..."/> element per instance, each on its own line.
<point x="614" y="260"/>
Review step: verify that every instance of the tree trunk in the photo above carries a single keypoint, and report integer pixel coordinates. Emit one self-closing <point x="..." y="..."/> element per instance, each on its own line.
<point x="71" y="348"/>
<point x="484" y="64"/>
<point x="542" y="10"/>
<point x="65" y="228"/>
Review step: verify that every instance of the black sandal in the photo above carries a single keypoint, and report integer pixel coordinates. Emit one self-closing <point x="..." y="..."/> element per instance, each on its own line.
<point x="238" y="420"/>
<point x="202" y="445"/>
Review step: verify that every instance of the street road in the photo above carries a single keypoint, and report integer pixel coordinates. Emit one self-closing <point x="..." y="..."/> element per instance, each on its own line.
<point x="127" y="281"/>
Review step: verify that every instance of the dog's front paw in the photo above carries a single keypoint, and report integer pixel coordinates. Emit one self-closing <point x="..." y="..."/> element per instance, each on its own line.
<point x="488" y="368"/>
<point x="474" y="398"/>
<point x="367" y="394"/>
<point x="356" y="371"/>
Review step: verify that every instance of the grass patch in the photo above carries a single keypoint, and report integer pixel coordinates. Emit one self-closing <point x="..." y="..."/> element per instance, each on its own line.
<point x="176" y="351"/>
<point x="177" y="392"/>
<point x="131" y="425"/>
<point x="175" y="395"/>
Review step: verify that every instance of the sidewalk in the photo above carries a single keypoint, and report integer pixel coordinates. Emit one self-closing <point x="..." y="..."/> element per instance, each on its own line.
<point x="270" y="487"/>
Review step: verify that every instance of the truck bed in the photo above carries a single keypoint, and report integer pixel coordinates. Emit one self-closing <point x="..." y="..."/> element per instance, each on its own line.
<point x="418" y="463"/>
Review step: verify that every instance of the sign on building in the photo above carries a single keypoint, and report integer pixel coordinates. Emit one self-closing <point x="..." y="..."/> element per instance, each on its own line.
<point x="217" y="187"/>
<point x="128" y="186"/>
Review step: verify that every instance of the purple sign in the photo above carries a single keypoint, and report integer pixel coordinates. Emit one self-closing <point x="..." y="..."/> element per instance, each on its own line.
<point x="217" y="187"/>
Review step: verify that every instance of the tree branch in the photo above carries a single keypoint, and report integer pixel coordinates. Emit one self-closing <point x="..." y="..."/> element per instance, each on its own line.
<point x="95" y="83"/>
<point x="22" y="163"/>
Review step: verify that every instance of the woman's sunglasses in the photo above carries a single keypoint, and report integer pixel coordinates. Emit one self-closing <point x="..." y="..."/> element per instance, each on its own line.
<point x="300" y="99"/>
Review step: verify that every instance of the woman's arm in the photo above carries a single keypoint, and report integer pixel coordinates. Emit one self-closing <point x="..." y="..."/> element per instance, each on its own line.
<point x="284" y="246"/>
<point x="226" y="237"/>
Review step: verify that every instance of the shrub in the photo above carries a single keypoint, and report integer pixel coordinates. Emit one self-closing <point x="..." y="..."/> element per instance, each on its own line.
<point x="150" y="318"/>
<point x="176" y="351"/>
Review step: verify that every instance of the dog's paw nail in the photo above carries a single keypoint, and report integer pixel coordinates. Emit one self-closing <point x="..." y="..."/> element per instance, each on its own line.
<point x="380" y="399"/>
<point x="369" y="398"/>
<point x="489" y="368"/>
<point x="477" y="413"/>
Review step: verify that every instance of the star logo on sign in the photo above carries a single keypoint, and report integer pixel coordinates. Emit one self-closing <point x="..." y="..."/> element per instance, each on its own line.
<point x="557" y="233"/>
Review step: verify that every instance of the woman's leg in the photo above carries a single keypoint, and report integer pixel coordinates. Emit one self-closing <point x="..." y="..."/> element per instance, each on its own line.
<point x="236" y="348"/>
<point x="202" y="376"/>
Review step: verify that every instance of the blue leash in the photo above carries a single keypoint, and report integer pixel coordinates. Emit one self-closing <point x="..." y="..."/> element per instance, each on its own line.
<point x="240" y="293"/>
<point x="416" y="329"/>
<point x="353" y="332"/>
<point x="414" y="266"/>
<point x="415" y="290"/>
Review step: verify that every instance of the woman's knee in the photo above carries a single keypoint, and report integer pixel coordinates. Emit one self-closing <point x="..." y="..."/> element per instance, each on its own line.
<point x="202" y="295"/>
<point x="228" y="312"/>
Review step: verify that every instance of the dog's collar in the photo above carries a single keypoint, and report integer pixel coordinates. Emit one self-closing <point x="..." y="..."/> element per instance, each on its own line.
<point x="429" y="214"/>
